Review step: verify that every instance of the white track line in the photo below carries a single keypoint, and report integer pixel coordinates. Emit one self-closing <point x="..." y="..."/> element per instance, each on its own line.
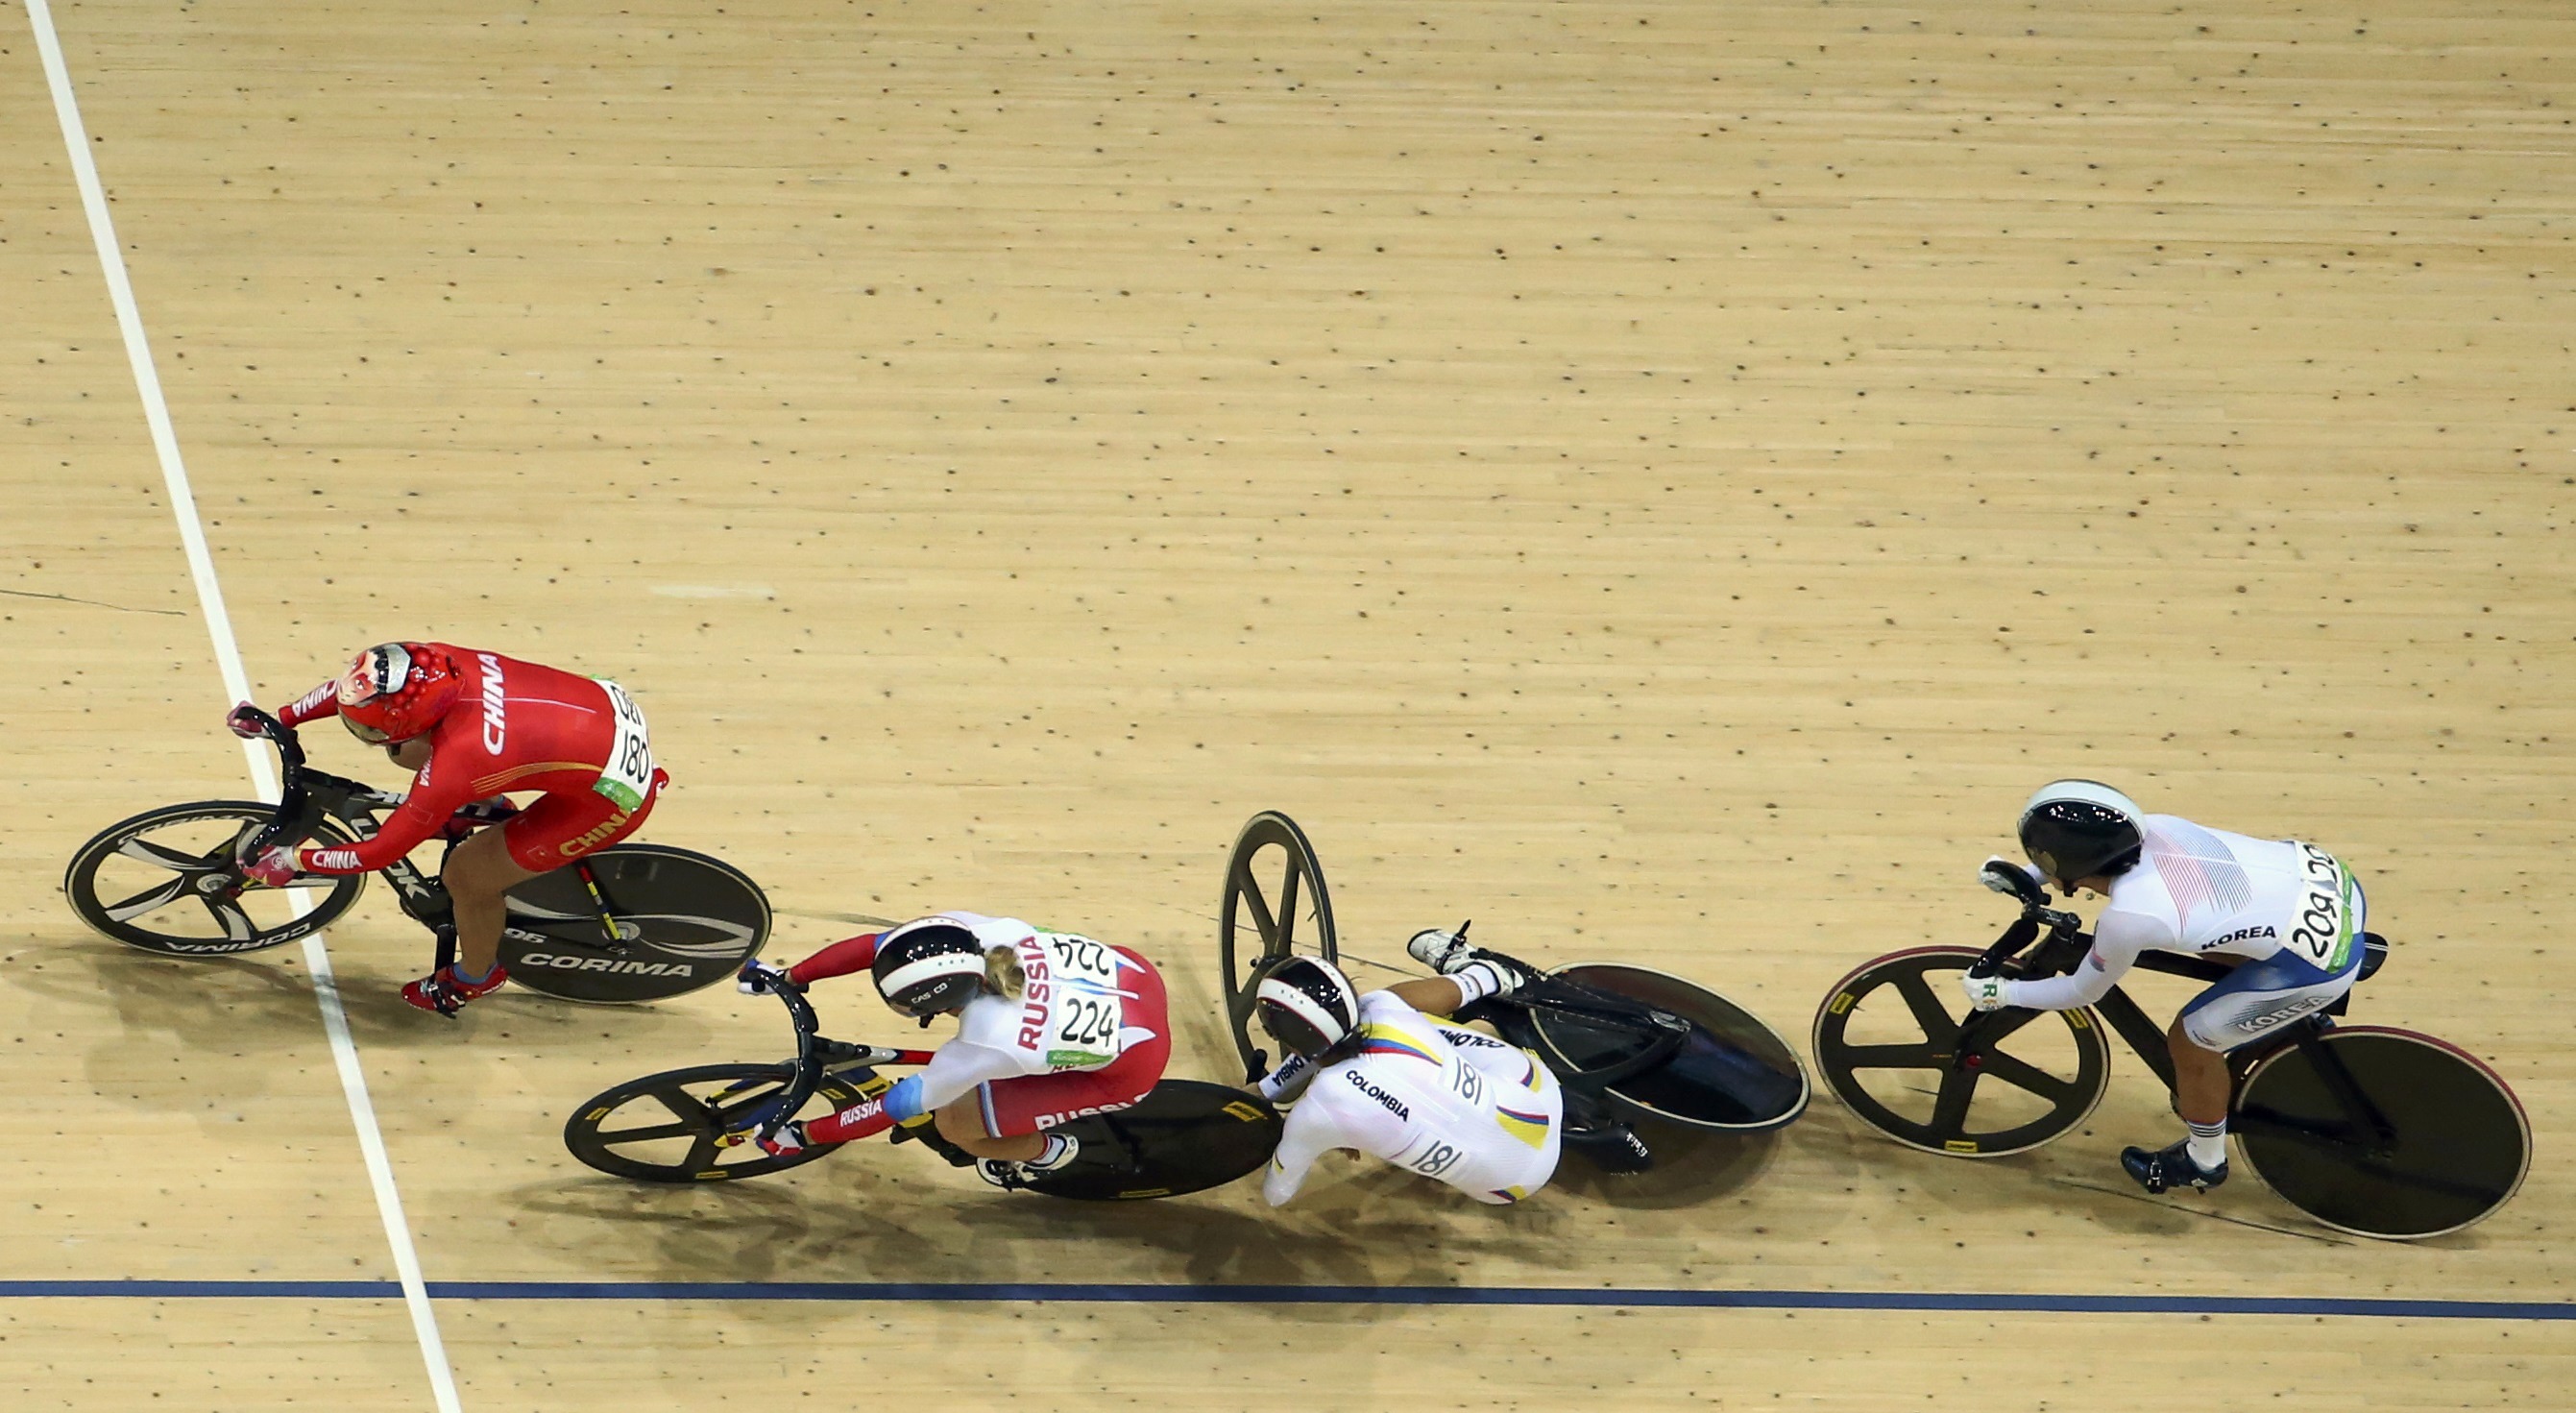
<point x="210" y="598"/>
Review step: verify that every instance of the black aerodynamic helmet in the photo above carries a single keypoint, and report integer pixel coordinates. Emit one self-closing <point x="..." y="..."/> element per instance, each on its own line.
<point x="2076" y="829"/>
<point x="926" y="967"/>
<point x="1307" y="1005"/>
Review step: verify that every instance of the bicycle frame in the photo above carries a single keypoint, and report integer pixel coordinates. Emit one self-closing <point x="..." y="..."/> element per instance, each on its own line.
<point x="2064" y="949"/>
<point x="815" y="1057"/>
<point x="1663" y="1031"/>
<point x="308" y="796"/>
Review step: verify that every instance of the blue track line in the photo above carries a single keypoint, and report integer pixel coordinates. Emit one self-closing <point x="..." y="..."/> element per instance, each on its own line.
<point x="977" y="1293"/>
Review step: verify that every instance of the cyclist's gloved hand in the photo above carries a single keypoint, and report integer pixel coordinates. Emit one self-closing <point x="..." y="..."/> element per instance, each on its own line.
<point x="244" y="723"/>
<point x="495" y="809"/>
<point x="274" y="868"/>
<point x="1985" y="993"/>
<point x="759" y="978"/>
<point x="2004" y="876"/>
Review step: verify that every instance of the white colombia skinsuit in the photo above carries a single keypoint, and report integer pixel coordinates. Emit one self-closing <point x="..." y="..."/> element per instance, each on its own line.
<point x="1440" y="1100"/>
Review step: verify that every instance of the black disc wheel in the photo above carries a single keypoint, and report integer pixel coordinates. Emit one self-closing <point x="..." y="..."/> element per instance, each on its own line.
<point x="672" y="1127"/>
<point x="682" y="920"/>
<point x="1892" y="1044"/>
<point x="1731" y="1072"/>
<point x="1185" y="1136"/>
<point x="163" y="881"/>
<point x="1274" y="904"/>
<point x="2383" y="1133"/>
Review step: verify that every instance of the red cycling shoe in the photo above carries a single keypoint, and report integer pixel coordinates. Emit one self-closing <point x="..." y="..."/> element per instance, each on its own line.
<point x="445" y="992"/>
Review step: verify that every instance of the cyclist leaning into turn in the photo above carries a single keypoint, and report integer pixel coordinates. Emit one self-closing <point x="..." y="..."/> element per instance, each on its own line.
<point x="1051" y="1026"/>
<point x="473" y="725"/>
<point x="2286" y="915"/>
<point x="1378" y="1075"/>
<point x="1389" y="1074"/>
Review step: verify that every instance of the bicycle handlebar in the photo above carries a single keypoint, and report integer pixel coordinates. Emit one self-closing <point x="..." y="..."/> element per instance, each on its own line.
<point x="2023" y="932"/>
<point x="809" y="1066"/>
<point x="2005" y="877"/>
<point x="814" y="1054"/>
<point x="292" y="806"/>
<point x="280" y="735"/>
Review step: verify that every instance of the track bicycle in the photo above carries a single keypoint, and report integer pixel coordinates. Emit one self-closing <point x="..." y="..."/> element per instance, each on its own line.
<point x="2368" y="1129"/>
<point x="699" y="1124"/>
<point x="1638" y="1043"/>
<point x="632" y="922"/>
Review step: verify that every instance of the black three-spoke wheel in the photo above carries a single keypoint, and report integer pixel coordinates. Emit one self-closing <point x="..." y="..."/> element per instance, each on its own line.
<point x="673" y="1126"/>
<point x="164" y="881"/>
<point x="1275" y="904"/>
<point x="1888" y="1041"/>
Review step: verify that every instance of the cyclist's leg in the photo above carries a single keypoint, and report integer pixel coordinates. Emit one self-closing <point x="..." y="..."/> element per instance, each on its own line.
<point x="965" y="1122"/>
<point x="1447" y="954"/>
<point x="2201" y="1085"/>
<point x="478" y="872"/>
<point x="1456" y="995"/>
<point x="545" y="836"/>
<point x="1009" y="1119"/>
<point x="2254" y="1001"/>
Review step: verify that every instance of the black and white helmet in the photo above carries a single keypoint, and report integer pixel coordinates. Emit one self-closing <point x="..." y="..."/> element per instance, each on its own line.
<point x="2075" y="829"/>
<point x="927" y="967"/>
<point x="1307" y="1005"/>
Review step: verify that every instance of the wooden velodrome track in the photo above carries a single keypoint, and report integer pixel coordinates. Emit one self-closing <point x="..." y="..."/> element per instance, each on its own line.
<point x="1664" y="480"/>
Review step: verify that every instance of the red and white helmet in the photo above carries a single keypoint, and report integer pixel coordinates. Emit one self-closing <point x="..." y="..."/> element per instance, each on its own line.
<point x="395" y="691"/>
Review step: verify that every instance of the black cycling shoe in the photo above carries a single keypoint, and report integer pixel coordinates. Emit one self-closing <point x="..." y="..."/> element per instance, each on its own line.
<point x="1612" y="1147"/>
<point x="2164" y="1169"/>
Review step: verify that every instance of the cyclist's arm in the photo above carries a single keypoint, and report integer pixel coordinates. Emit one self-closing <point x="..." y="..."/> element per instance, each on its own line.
<point x="1447" y="995"/>
<point x="840" y="959"/>
<point x="854" y="953"/>
<point x="1431" y="995"/>
<point x="425" y="810"/>
<point x="322" y="701"/>
<point x="1314" y="1129"/>
<point x="1288" y="1079"/>
<point x="2118" y="938"/>
<point x="959" y="1066"/>
<point x="1335" y="1113"/>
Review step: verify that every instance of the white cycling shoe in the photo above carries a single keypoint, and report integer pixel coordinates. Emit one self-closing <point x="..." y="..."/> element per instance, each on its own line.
<point x="1011" y="1176"/>
<point x="1441" y="950"/>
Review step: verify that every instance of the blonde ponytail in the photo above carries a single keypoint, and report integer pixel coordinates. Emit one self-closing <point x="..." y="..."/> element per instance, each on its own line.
<point x="1003" y="973"/>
